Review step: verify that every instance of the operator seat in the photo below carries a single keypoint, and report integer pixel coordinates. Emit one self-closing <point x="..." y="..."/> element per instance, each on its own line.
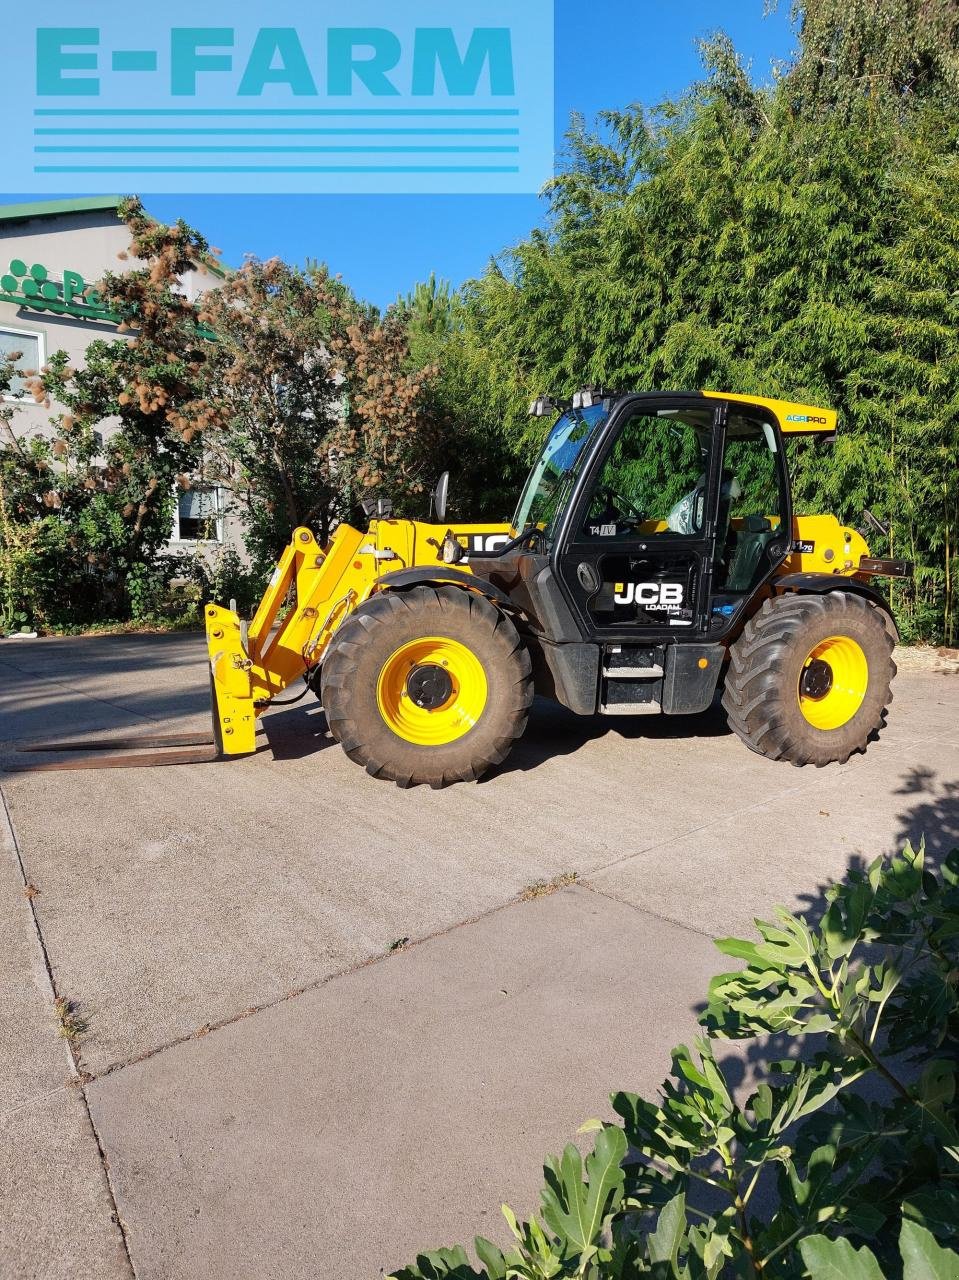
<point x="752" y="540"/>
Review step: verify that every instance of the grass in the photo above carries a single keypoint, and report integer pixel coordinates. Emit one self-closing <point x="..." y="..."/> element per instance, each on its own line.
<point x="71" y="1021"/>
<point x="543" y="888"/>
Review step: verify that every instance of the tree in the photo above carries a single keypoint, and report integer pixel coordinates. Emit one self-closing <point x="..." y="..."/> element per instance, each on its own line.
<point x="795" y="240"/>
<point x="95" y="506"/>
<point x="315" y="401"/>
<point x="467" y="403"/>
<point x="873" y="51"/>
<point x="280" y="385"/>
<point x="277" y="400"/>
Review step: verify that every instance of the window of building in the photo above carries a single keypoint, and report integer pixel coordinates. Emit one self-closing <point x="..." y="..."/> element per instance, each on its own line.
<point x="29" y="347"/>
<point x="199" y="515"/>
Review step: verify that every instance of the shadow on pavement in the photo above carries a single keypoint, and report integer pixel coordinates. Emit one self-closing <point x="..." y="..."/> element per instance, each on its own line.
<point x="297" y="732"/>
<point x="931" y="818"/>
<point x="553" y="731"/>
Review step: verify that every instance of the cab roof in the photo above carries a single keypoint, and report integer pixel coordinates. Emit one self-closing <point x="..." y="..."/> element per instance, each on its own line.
<point x="794" y="418"/>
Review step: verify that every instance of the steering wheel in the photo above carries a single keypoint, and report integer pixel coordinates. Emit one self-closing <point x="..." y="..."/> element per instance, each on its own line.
<point x="625" y="506"/>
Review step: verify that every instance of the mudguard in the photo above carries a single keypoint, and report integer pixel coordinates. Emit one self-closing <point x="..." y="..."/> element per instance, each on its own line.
<point x="428" y="575"/>
<point x="820" y="583"/>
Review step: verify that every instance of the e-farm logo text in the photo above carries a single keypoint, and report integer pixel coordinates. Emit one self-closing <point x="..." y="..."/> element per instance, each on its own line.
<point x="429" y="96"/>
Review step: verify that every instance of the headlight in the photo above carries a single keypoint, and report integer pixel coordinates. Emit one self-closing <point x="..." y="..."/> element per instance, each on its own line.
<point x="452" y="550"/>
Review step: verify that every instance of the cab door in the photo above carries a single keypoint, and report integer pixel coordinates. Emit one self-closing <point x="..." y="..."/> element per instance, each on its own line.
<point x="635" y="554"/>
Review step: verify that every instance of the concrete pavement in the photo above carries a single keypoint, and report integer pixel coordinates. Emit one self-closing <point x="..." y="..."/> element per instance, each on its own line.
<point x="266" y="1085"/>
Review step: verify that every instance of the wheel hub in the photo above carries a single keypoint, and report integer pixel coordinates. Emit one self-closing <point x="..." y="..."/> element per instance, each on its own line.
<point x="429" y="686"/>
<point x="816" y="679"/>
<point x="432" y="691"/>
<point x="833" y="682"/>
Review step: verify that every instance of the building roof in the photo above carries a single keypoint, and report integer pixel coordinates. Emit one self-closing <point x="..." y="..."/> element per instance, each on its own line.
<point x="87" y="204"/>
<point x="56" y="208"/>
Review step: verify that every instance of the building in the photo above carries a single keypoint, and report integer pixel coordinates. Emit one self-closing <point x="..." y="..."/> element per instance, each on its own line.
<point x="51" y="253"/>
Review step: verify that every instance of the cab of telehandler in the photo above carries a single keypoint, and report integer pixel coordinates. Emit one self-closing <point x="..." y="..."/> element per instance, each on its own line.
<point x="660" y="515"/>
<point x="654" y="521"/>
<point x="659" y="526"/>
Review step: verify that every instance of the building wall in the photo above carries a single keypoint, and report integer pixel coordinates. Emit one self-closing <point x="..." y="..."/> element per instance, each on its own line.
<point x="89" y="243"/>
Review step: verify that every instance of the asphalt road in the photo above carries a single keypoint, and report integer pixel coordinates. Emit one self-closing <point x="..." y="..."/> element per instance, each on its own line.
<point x="267" y="1084"/>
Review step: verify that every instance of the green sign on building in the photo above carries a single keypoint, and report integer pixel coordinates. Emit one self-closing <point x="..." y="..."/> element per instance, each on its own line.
<point x="32" y="287"/>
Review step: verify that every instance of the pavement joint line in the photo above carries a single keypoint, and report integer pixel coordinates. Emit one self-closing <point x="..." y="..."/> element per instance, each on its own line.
<point x="77" y="1077"/>
<point x="36" y="1100"/>
<point x="211" y="1028"/>
<point x="645" y="911"/>
<point x="24" y="879"/>
<point x="695" y="831"/>
<point x="890" y="748"/>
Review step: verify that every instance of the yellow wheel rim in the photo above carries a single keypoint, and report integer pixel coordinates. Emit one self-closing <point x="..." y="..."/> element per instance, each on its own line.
<point x="432" y="691"/>
<point x="833" y="682"/>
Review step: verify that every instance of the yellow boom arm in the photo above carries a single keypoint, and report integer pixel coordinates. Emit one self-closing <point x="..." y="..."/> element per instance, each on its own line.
<point x="319" y="587"/>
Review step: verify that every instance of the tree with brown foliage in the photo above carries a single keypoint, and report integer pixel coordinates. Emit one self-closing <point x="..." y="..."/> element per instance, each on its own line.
<point x="278" y="385"/>
<point x="314" y="404"/>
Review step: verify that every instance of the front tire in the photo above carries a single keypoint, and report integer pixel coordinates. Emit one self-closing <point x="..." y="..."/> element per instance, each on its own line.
<point x="431" y="685"/>
<point x="809" y="678"/>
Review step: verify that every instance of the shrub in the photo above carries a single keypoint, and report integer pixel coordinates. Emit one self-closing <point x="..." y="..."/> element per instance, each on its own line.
<point x="228" y="578"/>
<point x="844" y="1172"/>
<point x="174" y="588"/>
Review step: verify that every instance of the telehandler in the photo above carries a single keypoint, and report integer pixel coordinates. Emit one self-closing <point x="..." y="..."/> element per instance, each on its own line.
<point x="654" y="559"/>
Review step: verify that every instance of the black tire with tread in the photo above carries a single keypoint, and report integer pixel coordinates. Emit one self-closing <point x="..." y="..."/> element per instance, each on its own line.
<point x="375" y="631"/>
<point x="762" y="682"/>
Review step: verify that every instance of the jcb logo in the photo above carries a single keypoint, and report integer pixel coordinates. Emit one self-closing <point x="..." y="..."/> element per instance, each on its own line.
<point x="665" y="595"/>
<point x="480" y="542"/>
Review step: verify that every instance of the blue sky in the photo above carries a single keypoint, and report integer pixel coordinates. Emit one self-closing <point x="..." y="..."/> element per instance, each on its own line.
<point x="609" y="53"/>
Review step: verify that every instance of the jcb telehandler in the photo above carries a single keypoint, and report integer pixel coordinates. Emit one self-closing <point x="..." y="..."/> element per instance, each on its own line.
<point x="653" y="556"/>
<point x="653" y="559"/>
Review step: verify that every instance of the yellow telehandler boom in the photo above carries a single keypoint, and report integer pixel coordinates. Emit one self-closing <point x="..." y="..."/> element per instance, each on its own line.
<point x="322" y="586"/>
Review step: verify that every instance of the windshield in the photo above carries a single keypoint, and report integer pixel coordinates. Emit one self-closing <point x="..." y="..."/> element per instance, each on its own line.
<point x="551" y="480"/>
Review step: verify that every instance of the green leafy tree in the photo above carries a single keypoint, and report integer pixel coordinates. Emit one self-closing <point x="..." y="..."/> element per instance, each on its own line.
<point x="796" y="240"/>
<point x="466" y="403"/>
<point x="856" y="51"/>
<point x="809" y="1174"/>
<point x="279" y="386"/>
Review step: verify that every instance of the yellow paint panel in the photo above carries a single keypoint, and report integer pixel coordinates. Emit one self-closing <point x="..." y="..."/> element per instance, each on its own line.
<point x="416" y="544"/>
<point x="231" y="686"/>
<point x="793" y="418"/>
<point x="320" y="587"/>
<point x="823" y="545"/>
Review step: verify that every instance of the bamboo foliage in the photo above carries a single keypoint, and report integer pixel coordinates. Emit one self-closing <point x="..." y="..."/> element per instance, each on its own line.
<point x="799" y="240"/>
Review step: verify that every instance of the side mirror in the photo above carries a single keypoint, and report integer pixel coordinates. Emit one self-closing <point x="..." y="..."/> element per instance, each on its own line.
<point x="440" y="496"/>
<point x="875" y="523"/>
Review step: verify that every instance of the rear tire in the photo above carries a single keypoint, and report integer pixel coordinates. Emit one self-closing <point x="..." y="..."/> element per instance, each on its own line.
<point x="450" y="649"/>
<point x="809" y="678"/>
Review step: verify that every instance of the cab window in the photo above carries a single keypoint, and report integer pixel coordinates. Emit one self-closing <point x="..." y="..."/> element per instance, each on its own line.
<point x="653" y="481"/>
<point x="750" y="511"/>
